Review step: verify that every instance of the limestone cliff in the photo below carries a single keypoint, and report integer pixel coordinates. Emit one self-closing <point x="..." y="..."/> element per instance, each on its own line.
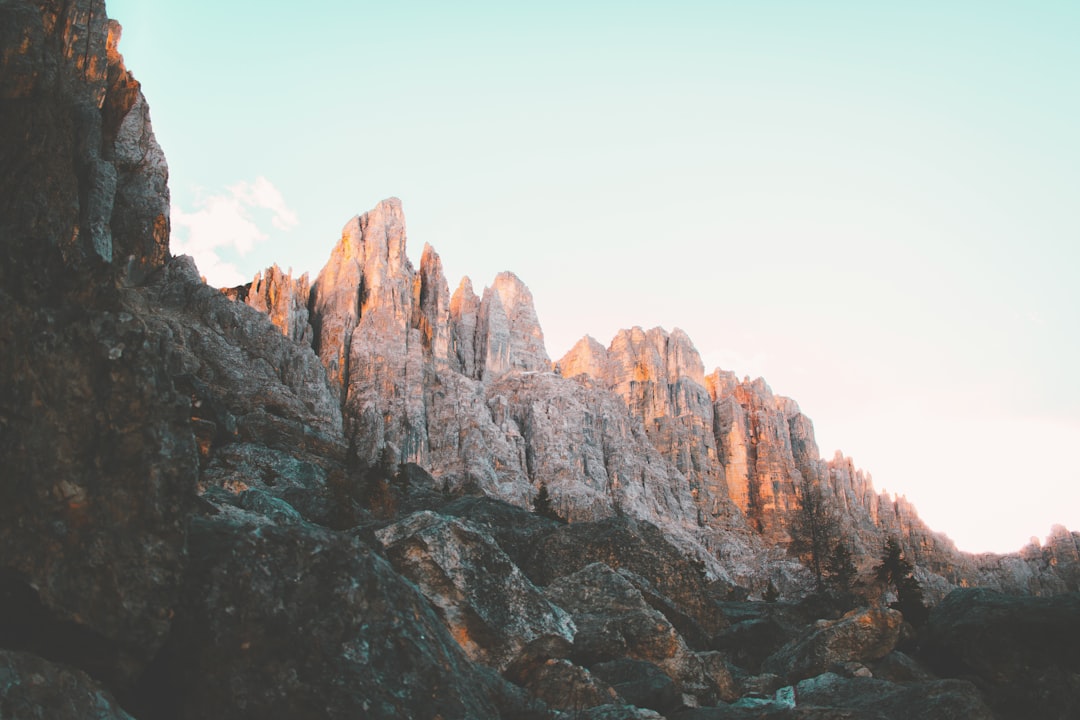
<point x="204" y="515"/>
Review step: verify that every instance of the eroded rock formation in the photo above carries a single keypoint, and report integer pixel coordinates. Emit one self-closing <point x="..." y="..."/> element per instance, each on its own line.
<point x="293" y="501"/>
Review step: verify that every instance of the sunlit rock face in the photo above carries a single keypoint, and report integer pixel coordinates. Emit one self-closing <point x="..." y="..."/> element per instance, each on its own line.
<point x="744" y="450"/>
<point x="461" y="384"/>
<point x="282" y="298"/>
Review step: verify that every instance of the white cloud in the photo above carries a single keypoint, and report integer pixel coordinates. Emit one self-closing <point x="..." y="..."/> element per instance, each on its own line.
<point x="229" y="223"/>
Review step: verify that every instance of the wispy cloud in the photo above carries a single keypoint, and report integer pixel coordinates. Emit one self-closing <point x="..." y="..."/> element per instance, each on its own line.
<point x="230" y="222"/>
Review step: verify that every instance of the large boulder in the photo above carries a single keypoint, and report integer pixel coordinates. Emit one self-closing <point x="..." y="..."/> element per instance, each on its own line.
<point x="294" y="621"/>
<point x="640" y="683"/>
<point x="882" y="700"/>
<point x="860" y="636"/>
<point x="35" y="689"/>
<point x="515" y="529"/>
<point x="563" y="685"/>
<point x="615" y="622"/>
<point x="1024" y="652"/>
<point x="486" y="602"/>
<point x="636" y="546"/>
<point x="757" y="630"/>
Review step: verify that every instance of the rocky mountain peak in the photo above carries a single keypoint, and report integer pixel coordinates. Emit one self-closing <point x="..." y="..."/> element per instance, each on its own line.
<point x="283" y="501"/>
<point x="508" y="332"/>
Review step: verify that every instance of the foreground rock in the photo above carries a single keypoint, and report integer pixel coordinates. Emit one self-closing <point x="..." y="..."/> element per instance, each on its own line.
<point x="295" y="621"/>
<point x="486" y="602"/>
<point x="1023" y="652"/>
<point x="616" y="624"/>
<point x="99" y="463"/>
<point x="871" y="698"/>
<point x="32" y="688"/>
<point x="860" y="636"/>
<point x="638" y="547"/>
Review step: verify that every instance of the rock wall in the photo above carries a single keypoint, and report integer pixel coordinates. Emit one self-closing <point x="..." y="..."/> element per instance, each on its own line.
<point x="99" y="459"/>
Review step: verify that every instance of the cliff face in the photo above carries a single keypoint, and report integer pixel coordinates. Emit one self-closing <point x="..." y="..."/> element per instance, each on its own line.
<point x="98" y="454"/>
<point x="462" y="385"/>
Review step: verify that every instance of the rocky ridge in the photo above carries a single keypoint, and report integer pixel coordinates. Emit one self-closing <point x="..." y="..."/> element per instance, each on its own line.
<point x="462" y="385"/>
<point x="288" y="500"/>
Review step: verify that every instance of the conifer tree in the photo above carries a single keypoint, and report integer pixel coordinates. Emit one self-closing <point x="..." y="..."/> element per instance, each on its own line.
<point x="542" y="505"/>
<point x="897" y="572"/>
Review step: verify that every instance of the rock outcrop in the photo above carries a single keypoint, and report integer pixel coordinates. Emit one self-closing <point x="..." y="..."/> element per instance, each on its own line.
<point x="99" y="459"/>
<point x="283" y="501"/>
<point x="34" y="688"/>
<point x="859" y="637"/>
<point x="1023" y="652"/>
<point x="319" y="626"/>
<point x="486" y="602"/>
<point x="283" y="298"/>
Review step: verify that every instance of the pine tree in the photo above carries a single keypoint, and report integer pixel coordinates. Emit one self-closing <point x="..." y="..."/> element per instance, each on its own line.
<point x="817" y="538"/>
<point x="542" y="505"/>
<point x="896" y="571"/>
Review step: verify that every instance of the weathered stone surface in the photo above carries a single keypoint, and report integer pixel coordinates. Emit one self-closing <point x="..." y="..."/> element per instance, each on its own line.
<point x="899" y="667"/>
<point x="84" y="176"/>
<point x="631" y="545"/>
<point x="618" y="712"/>
<point x="95" y="440"/>
<point x="508" y="335"/>
<point x="261" y="406"/>
<point x="34" y="689"/>
<point x="282" y="298"/>
<point x="720" y="675"/>
<point x="757" y="630"/>
<point x="933" y="700"/>
<point x="1023" y="652"/>
<point x="295" y="621"/>
<point x="516" y="530"/>
<point x="640" y="683"/>
<point x="564" y="686"/>
<point x="860" y="636"/>
<point x="614" y="622"/>
<point x="486" y="602"/>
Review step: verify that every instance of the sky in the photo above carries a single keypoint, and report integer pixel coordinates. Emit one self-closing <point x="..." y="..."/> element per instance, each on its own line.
<point x="874" y="206"/>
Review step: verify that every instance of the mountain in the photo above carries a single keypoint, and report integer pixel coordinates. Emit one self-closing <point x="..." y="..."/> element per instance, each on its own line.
<point x="314" y="499"/>
<point x="462" y="386"/>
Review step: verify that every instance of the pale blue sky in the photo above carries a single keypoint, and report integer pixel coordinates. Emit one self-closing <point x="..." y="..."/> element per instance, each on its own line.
<point x="873" y="205"/>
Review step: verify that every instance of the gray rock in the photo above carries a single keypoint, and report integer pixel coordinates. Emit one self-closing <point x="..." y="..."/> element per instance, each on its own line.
<point x="485" y="601"/>
<point x="1023" y="652"/>
<point x="932" y="700"/>
<point x="860" y="636"/>
<point x="296" y="621"/>
<point x="34" y="689"/>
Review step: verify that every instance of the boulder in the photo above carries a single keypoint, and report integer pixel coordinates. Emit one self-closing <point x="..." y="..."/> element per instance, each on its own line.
<point x="516" y="530"/>
<point x="638" y="547"/>
<point x="615" y="622"/>
<point x="860" y="636"/>
<point x="300" y="622"/>
<point x="1023" y="652"/>
<point x="486" y="602"/>
<point x="757" y="630"/>
<point x="640" y="683"/>
<point x="563" y="685"/>
<point x="34" y="689"/>
<point x="879" y="699"/>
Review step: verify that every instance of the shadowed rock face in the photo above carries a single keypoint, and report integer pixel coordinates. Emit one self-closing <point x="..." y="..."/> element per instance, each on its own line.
<point x="32" y="687"/>
<point x="486" y="602"/>
<point x="98" y="454"/>
<point x="320" y="626"/>
<point x="1023" y="652"/>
